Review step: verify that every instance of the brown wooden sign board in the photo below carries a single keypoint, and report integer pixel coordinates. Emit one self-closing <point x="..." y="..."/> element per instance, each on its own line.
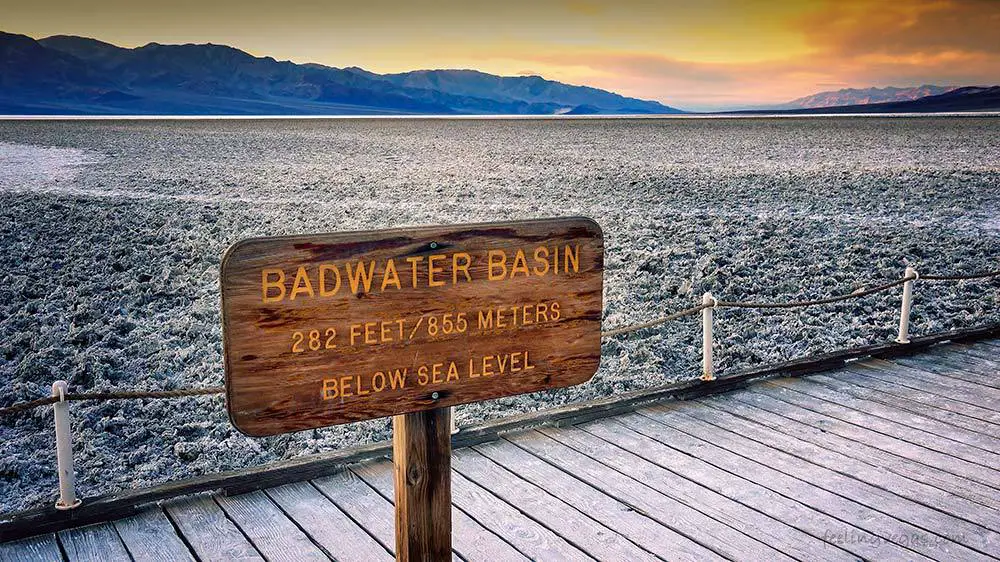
<point x="328" y="329"/>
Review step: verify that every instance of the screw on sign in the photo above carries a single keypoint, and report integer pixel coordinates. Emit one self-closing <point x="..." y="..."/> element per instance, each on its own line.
<point x="335" y="328"/>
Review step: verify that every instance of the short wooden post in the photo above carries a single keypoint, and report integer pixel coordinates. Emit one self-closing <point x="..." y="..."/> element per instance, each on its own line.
<point x="707" y="365"/>
<point x="904" y="313"/>
<point x="64" y="449"/>
<point x="421" y="451"/>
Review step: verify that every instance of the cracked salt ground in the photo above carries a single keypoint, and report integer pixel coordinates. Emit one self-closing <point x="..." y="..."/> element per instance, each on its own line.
<point x="112" y="233"/>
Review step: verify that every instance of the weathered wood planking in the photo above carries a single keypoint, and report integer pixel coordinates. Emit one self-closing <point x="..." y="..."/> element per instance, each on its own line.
<point x="555" y="514"/>
<point x="773" y="532"/>
<point x="624" y="518"/>
<point x="917" y="420"/>
<point x="914" y="401"/>
<point x="205" y="527"/>
<point x="880" y="512"/>
<point x="448" y="315"/>
<point x="94" y="543"/>
<point x="149" y="536"/>
<point x="888" y="380"/>
<point x="40" y="548"/>
<point x="750" y="422"/>
<point x="906" y="459"/>
<point x="634" y="431"/>
<point x="276" y="536"/>
<point x="971" y="462"/>
<point x="706" y="531"/>
<point x="330" y="528"/>
<point x="361" y="503"/>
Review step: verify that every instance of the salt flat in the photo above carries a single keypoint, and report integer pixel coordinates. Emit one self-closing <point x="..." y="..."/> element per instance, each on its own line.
<point x="112" y="232"/>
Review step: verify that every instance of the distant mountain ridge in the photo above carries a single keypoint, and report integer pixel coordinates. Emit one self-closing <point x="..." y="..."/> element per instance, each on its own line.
<point x="965" y="99"/>
<point x="78" y="75"/>
<point x="856" y="96"/>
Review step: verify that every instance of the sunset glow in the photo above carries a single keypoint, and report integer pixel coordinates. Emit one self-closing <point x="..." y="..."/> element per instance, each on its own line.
<point x="704" y="55"/>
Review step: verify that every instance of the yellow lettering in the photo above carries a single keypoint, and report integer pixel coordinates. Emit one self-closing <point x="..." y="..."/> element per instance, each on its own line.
<point x="452" y="372"/>
<point x="390" y="269"/>
<point x="522" y="268"/>
<point x="464" y="268"/>
<point x="571" y="254"/>
<point x="266" y="284"/>
<point x="554" y="307"/>
<point x="360" y="277"/>
<point x="302" y="284"/>
<point x="541" y="258"/>
<point x="330" y="390"/>
<point x="494" y="259"/>
<point x="323" y="269"/>
<point x="378" y="381"/>
<point x="431" y="270"/>
<point x="345" y="387"/>
<point x="485" y="319"/>
<point x="413" y="267"/>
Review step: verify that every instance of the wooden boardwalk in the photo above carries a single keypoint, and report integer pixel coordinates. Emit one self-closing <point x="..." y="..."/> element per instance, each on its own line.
<point x="884" y="459"/>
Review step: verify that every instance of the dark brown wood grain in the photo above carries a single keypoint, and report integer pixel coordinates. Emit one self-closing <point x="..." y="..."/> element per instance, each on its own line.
<point x="441" y="323"/>
<point x="421" y="452"/>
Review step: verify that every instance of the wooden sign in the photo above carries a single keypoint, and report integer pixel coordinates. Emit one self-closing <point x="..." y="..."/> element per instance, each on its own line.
<point x="328" y="329"/>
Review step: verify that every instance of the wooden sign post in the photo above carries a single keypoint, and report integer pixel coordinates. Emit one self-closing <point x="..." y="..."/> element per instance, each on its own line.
<point x="320" y="330"/>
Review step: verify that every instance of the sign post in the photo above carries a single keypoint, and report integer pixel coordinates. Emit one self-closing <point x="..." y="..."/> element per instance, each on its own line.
<point x="421" y="456"/>
<point x="320" y="330"/>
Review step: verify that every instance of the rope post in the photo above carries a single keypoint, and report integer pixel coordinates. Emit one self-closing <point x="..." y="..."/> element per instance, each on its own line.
<point x="904" y="313"/>
<point x="64" y="449"/>
<point x="707" y="367"/>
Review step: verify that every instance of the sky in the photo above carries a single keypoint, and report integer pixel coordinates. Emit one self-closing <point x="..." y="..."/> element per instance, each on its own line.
<point x="699" y="55"/>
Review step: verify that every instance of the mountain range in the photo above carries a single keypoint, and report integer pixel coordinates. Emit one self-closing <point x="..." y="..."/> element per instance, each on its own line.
<point x="77" y="75"/>
<point x="965" y="99"/>
<point x="865" y="96"/>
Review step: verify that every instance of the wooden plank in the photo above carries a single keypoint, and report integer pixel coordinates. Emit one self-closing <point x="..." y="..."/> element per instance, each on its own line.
<point x="969" y="364"/>
<point x="958" y="457"/>
<point x="208" y="531"/>
<point x="904" y="459"/>
<point x="609" y="441"/>
<point x="421" y="453"/>
<point x="40" y="548"/>
<point x="682" y="518"/>
<point x="773" y="532"/>
<point x="979" y="447"/>
<point x="97" y="543"/>
<point x="916" y="375"/>
<point x="362" y="504"/>
<point x="480" y="301"/>
<point x="471" y="540"/>
<point x="957" y="413"/>
<point x="895" y="375"/>
<point x="814" y="510"/>
<point x="339" y="536"/>
<point x="149" y="536"/>
<point x="746" y="421"/>
<point x="617" y="515"/>
<point x="274" y="535"/>
<point x="562" y="518"/>
<point x="878" y="511"/>
<point x="524" y="534"/>
<point x="955" y="364"/>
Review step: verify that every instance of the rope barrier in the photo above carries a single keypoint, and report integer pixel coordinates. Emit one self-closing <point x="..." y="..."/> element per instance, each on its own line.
<point x="184" y="392"/>
<point x="960" y="277"/>
<point x="121" y="395"/>
<point x="656" y="322"/>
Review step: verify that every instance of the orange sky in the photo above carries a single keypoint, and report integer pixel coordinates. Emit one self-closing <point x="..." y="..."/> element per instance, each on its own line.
<point x="695" y="55"/>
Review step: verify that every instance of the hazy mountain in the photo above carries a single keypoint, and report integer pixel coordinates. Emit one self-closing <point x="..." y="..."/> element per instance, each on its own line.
<point x="966" y="99"/>
<point x="854" y="96"/>
<point x="78" y="75"/>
